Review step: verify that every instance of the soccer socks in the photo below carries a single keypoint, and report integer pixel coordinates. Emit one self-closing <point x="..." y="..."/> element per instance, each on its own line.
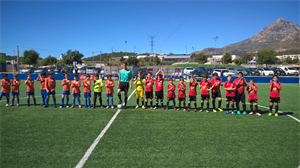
<point x="179" y="104"/>
<point x="47" y="102"/>
<point x="7" y="100"/>
<point x="244" y="107"/>
<point x="43" y="100"/>
<point x="12" y="101"/>
<point x="207" y="105"/>
<point x="107" y="102"/>
<point x="202" y="103"/>
<point x="85" y="102"/>
<point x="251" y="107"/>
<point x="28" y="101"/>
<point x="232" y="107"/>
<point x="237" y="107"/>
<point x="195" y="104"/>
<point x="78" y="101"/>
<point x="184" y="104"/>
<point x="271" y="106"/>
<point x="276" y="108"/>
<point x="34" y="101"/>
<point x="54" y="101"/>
<point x="220" y="102"/>
<point x="125" y="100"/>
<point x="137" y="102"/>
<point x="89" y="102"/>
<point x="18" y="100"/>
<point x="67" y="101"/>
<point x="142" y="102"/>
<point x="256" y="108"/>
<point x="73" y="102"/>
<point x="62" y="101"/>
<point x="214" y="104"/>
<point x="120" y="97"/>
<point x="112" y="102"/>
<point x="156" y="105"/>
<point x="146" y="102"/>
<point x="227" y="107"/>
<point x="167" y="104"/>
<point x="161" y="103"/>
<point x="189" y="105"/>
<point x="174" y="104"/>
<point x="95" y="99"/>
<point x="151" y="103"/>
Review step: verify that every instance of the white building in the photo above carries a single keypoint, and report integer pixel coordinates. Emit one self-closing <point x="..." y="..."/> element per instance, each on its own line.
<point x="219" y="57"/>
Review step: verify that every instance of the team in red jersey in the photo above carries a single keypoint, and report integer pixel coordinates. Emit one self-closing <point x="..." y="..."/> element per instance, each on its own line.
<point x="15" y="89"/>
<point x="66" y="83"/>
<point x="193" y="93"/>
<point x="171" y="93"/>
<point x="30" y="89"/>
<point x="50" y="84"/>
<point x="230" y="88"/>
<point x="275" y="88"/>
<point x="42" y="78"/>
<point x="87" y="91"/>
<point x="252" y="97"/>
<point x="5" y="83"/>
<point x="204" y="86"/>
<point x="215" y="91"/>
<point x="181" y="87"/>
<point x="240" y="83"/>
<point x="159" y="89"/>
<point x="76" y="91"/>
<point x="149" y="82"/>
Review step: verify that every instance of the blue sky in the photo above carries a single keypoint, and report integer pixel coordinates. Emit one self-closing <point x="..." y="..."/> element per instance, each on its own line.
<point x="52" y="28"/>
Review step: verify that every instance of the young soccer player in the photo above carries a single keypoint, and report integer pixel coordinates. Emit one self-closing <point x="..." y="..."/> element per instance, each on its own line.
<point x="50" y="84"/>
<point x="181" y="87"/>
<point x="5" y="83"/>
<point x="109" y="83"/>
<point x="204" y="86"/>
<point x="230" y="88"/>
<point x="240" y="83"/>
<point x="66" y="83"/>
<point x="171" y="93"/>
<point x="159" y="89"/>
<point x="30" y="89"/>
<point x="139" y="93"/>
<point x="275" y="88"/>
<point x="216" y="93"/>
<point x="76" y="91"/>
<point x="15" y="89"/>
<point x="252" y="96"/>
<point x="193" y="93"/>
<point x="149" y="82"/>
<point x="98" y="84"/>
<point x="42" y="78"/>
<point x="87" y="91"/>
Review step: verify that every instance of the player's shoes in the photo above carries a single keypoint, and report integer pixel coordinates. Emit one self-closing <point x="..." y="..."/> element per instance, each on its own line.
<point x="195" y="110"/>
<point x="178" y="109"/>
<point x="112" y="107"/>
<point x="151" y="108"/>
<point x="276" y="114"/>
<point x="214" y="110"/>
<point x="54" y="106"/>
<point x="89" y="106"/>
<point x="220" y="109"/>
<point x="258" y="114"/>
<point x="61" y="106"/>
<point x="238" y="112"/>
<point x="107" y="107"/>
<point x="41" y="104"/>
<point x="10" y="105"/>
<point x="72" y="106"/>
<point x="18" y="105"/>
<point x="201" y="110"/>
<point x="120" y="102"/>
<point x="137" y="106"/>
<point x="44" y="106"/>
<point x="167" y="108"/>
<point x="143" y="107"/>
<point x="174" y="108"/>
<point x="162" y="108"/>
<point x="7" y="105"/>
<point x="207" y="111"/>
<point x="155" y="108"/>
<point x="226" y="112"/>
<point x="245" y="113"/>
<point x="188" y="109"/>
<point x="251" y="113"/>
<point x="93" y="107"/>
<point x="84" y="106"/>
<point x="270" y="114"/>
<point x="234" y="113"/>
<point x="79" y="106"/>
<point x="184" y="109"/>
<point x="101" y="107"/>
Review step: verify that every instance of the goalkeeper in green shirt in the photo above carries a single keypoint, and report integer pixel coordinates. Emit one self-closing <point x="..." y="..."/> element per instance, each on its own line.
<point x="98" y="84"/>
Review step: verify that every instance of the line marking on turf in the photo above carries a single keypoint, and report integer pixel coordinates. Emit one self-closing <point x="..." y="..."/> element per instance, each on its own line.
<point x="291" y="85"/>
<point x="96" y="141"/>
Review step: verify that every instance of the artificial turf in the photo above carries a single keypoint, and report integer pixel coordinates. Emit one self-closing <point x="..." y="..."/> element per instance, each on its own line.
<point x="53" y="137"/>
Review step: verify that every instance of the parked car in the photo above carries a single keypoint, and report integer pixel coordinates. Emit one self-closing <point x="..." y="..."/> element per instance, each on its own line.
<point x="209" y="71"/>
<point x="265" y="71"/>
<point x="252" y="72"/>
<point x="40" y="70"/>
<point x="236" y="71"/>
<point x="218" y="67"/>
<point x="198" y="72"/>
<point x="28" y="70"/>
<point x="290" y="71"/>
<point x="90" y="70"/>
<point x="136" y="70"/>
<point x="55" y="69"/>
<point x="278" y="71"/>
<point x="230" y="69"/>
<point x="201" y="67"/>
<point x="82" y="70"/>
<point x="224" y="71"/>
<point x="178" y="72"/>
<point x="188" y="70"/>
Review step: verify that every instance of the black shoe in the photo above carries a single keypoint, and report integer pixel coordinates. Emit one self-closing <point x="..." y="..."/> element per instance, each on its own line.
<point x="120" y="102"/>
<point x="55" y="106"/>
<point x="28" y="105"/>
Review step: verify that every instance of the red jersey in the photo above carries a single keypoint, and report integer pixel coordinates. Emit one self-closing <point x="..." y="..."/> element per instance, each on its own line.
<point x="205" y="86"/>
<point x="50" y="83"/>
<point x="66" y="84"/>
<point x="43" y="87"/>
<point x="76" y="89"/>
<point x="252" y="93"/>
<point x="5" y="85"/>
<point x="181" y="90"/>
<point x="171" y="93"/>
<point x="149" y="85"/>
<point x="16" y="85"/>
<point x="193" y="89"/>
<point x="87" y="86"/>
<point x="30" y="85"/>
<point x="240" y="88"/>
<point x="159" y="84"/>
<point x="230" y="85"/>
<point x="275" y="92"/>
<point x="217" y="82"/>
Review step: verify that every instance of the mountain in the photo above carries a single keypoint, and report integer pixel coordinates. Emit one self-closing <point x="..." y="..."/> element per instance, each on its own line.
<point x="266" y="38"/>
<point x="290" y="42"/>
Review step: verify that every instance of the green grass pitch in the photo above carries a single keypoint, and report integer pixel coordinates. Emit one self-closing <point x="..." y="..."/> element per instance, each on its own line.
<point x="53" y="137"/>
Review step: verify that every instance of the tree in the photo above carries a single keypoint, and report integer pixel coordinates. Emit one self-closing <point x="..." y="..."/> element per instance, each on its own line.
<point x="295" y="61"/>
<point x="227" y="58"/>
<point x="50" y="60"/>
<point x="71" y="56"/>
<point x="132" y="60"/>
<point x="200" y="58"/>
<point x="289" y="60"/>
<point x="30" y="57"/>
<point x="266" y="56"/>
<point x="156" y="60"/>
<point x="238" y="61"/>
<point x="246" y="57"/>
<point x="60" y="63"/>
<point x="105" y="61"/>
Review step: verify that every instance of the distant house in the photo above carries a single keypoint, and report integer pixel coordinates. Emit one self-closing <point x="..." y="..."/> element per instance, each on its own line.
<point x="175" y="57"/>
<point x="219" y="57"/>
<point x="292" y="56"/>
<point x="120" y="59"/>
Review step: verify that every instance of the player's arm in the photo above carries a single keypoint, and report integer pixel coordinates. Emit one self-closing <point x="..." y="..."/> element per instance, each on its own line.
<point x="244" y="82"/>
<point x="25" y="82"/>
<point x="54" y="85"/>
<point x="270" y="85"/>
<point x="157" y="73"/>
<point x="101" y="83"/>
<point x="163" y="74"/>
<point x="46" y="82"/>
<point x="278" y="85"/>
<point x="255" y="88"/>
<point x="131" y="83"/>
<point x="113" y="84"/>
<point x="87" y="83"/>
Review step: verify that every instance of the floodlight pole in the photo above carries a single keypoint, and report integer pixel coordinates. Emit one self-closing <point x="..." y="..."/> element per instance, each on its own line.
<point x="186" y="55"/>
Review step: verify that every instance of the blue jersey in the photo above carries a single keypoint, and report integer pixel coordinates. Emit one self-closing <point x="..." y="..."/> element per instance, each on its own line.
<point x="125" y="76"/>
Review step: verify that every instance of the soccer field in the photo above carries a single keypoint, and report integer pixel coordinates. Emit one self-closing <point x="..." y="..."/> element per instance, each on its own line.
<point x="52" y="137"/>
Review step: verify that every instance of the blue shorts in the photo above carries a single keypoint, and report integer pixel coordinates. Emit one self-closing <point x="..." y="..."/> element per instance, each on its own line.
<point x="43" y="93"/>
<point x="15" y="93"/>
<point x="87" y="95"/>
<point x="51" y="93"/>
<point x="4" y="94"/>
<point x="76" y="95"/>
<point x="30" y="93"/>
<point x="64" y="92"/>
<point x="109" y="95"/>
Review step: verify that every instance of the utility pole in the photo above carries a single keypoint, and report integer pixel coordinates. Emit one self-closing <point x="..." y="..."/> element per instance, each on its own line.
<point x="216" y="38"/>
<point x="152" y="44"/>
<point x="186" y="54"/>
<point x="100" y="59"/>
<point x="125" y="47"/>
<point x="93" y="58"/>
<point x="112" y="51"/>
<point x="17" y="58"/>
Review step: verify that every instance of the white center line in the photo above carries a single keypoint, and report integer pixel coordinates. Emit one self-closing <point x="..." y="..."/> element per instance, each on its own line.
<point x="96" y="141"/>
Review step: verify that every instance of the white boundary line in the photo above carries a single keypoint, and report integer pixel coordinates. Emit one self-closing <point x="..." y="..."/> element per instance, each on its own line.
<point x="96" y="141"/>
<point x="298" y="86"/>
